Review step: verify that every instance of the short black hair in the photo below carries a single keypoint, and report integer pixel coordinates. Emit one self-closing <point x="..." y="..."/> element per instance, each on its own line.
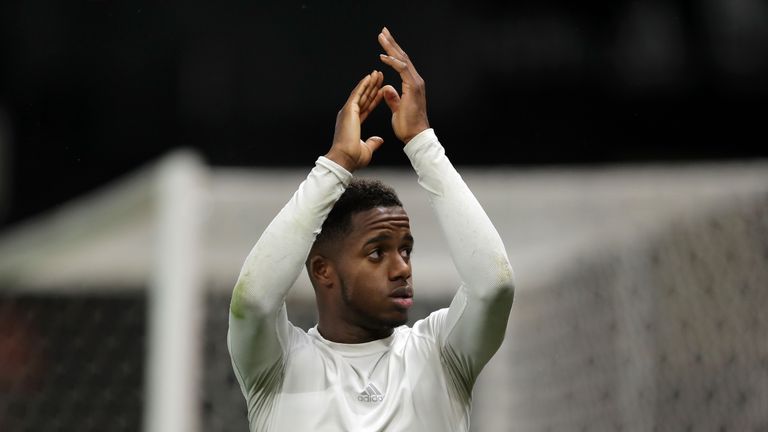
<point x="361" y="195"/>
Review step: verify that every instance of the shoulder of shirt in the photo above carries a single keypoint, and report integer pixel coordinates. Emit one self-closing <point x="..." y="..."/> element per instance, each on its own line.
<point x="298" y="338"/>
<point x="425" y="328"/>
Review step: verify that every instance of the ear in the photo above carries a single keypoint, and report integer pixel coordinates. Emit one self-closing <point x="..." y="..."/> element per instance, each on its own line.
<point x="321" y="269"/>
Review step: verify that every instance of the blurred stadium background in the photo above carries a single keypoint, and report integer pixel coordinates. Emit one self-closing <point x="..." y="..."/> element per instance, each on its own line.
<point x="619" y="148"/>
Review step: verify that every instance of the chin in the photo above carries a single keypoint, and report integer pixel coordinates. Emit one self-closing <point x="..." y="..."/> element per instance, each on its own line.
<point x="397" y="322"/>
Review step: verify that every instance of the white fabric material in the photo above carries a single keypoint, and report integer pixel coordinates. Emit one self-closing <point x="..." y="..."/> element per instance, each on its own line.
<point x="417" y="379"/>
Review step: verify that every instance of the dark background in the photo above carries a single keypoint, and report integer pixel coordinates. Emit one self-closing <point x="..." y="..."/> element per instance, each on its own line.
<point x="90" y="90"/>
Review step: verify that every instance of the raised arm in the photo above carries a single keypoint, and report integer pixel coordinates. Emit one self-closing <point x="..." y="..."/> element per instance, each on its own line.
<point x="474" y="326"/>
<point x="259" y="332"/>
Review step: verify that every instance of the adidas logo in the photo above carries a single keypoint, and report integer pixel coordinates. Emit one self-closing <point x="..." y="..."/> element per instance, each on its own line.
<point x="370" y="394"/>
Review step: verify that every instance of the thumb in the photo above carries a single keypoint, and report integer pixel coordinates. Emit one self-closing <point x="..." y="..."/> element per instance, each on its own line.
<point x="391" y="97"/>
<point x="374" y="142"/>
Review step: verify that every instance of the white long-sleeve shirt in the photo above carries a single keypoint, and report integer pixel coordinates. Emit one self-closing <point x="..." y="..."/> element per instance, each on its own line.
<point x="417" y="379"/>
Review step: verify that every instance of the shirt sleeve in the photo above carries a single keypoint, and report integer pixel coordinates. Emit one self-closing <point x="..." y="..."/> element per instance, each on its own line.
<point x="473" y="328"/>
<point x="259" y="331"/>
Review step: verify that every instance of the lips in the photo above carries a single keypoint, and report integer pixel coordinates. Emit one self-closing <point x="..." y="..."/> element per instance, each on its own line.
<point x="403" y="296"/>
<point x="402" y="292"/>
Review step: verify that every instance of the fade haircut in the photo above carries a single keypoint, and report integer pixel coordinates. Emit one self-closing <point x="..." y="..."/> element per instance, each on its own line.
<point x="360" y="195"/>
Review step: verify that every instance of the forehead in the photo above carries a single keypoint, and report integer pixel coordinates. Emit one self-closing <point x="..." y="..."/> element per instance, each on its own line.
<point x="380" y="218"/>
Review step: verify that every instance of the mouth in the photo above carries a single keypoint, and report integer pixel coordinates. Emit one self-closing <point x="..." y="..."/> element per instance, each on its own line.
<point x="402" y="296"/>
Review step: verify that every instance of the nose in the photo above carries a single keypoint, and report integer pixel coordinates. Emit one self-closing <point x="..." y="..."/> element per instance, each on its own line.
<point x="400" y="268"/>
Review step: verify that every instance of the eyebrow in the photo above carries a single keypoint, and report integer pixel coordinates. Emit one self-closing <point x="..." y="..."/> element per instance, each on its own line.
<point x="383" y="237"/>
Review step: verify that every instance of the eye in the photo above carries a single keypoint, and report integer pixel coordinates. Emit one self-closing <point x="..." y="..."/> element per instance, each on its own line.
<point x="375" y="254"/>
<point x="406" y="253"/>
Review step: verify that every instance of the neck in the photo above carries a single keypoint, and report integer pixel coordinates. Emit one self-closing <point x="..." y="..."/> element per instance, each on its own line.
<point x="336" y="331"/>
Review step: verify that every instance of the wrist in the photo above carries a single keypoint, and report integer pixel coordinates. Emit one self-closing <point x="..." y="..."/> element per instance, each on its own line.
<point x="412" y="134"/>
<point x="342" y="159"/>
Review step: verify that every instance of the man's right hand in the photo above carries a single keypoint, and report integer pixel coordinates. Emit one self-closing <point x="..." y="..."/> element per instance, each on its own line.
<point x="348" y="150"/>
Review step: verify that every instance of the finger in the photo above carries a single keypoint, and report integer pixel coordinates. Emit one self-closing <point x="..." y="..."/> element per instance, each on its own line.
<point x="399" y="62"/>
<point x="389" y="40"/>
<point x="357" y="92"/>
<point x="373" y="143"/>
<point x="396" y="64"/>
<point x="367" y="90"/>
<point x="390" y="49"/>
<point x="370" y="91"/>
<point x="379" y="80"/>
<point x="408" y="75"/>
<point x="372" y="105"/>
<point x="391" y="97"/>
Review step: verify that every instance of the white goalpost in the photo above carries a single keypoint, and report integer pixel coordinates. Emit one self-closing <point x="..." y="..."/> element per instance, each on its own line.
<point x="176" y="295"/>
